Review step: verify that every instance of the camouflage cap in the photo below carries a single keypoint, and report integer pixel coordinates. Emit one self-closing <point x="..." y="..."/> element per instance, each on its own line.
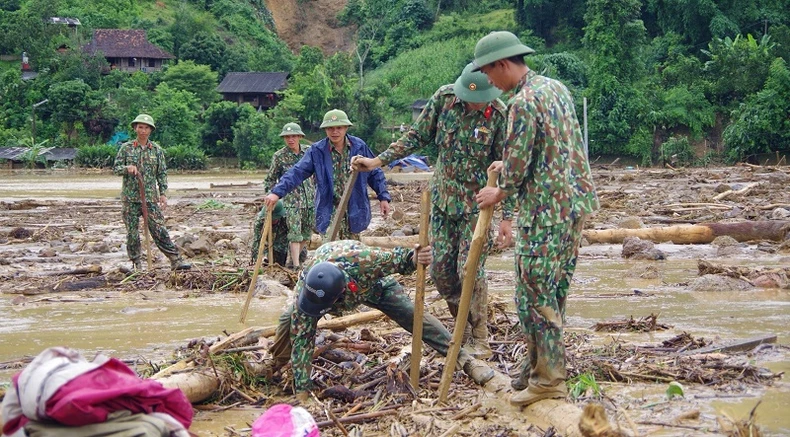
<point x="145" y="119"/>
<point x="291" y="129"/>
<point x="496" y="46"/>
<point x="335" y="117"/>
<point x="473" y="87"/>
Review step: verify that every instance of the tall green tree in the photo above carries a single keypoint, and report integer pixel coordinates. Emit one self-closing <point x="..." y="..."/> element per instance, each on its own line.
<point x="197" y="79"/>
<point x="176" y="115"/>
<point x="614" y="37"/>
<point x="71" y="102"/>
<point x="762" y="124"/>
<point x="217" y="131"/>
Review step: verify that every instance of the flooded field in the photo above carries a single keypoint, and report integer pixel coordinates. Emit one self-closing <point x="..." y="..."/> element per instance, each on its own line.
<point x="78" y="212"/>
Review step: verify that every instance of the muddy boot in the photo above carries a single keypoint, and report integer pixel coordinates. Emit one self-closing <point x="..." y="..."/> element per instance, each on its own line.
<point x="479" y="341"/>
<point x="478" y="371"/>
<point x="137" y="265"/>
<point x="179" y="264"/>
<point x="533" y="394"/>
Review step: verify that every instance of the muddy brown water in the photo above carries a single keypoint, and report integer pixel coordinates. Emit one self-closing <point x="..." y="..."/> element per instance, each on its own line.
<point x="150" y="324"/>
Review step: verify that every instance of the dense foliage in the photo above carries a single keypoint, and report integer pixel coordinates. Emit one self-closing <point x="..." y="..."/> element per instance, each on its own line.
<point x="680" y="82"/>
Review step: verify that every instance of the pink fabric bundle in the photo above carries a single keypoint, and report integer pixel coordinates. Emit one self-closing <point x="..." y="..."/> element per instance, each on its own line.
<point x="283" y="420"/>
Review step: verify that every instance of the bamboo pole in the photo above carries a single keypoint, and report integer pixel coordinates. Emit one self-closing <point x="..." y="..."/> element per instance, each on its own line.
<point x="267" y="227"/>
<point x="419" y="295"/>
<point x="470" y="275"/>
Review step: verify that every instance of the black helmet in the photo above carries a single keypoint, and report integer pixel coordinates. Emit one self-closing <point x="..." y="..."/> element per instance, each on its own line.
<point x="323" y="286"/>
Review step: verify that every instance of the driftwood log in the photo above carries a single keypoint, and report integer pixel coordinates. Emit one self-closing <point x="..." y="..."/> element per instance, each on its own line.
<point x="774" y="230"/>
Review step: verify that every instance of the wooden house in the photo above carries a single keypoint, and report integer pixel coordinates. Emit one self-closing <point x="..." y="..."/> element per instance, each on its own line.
<point x="259" y="89"/>
<point x="127" y="50"/>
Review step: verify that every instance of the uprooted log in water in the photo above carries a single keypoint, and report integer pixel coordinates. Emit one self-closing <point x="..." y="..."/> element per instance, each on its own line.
<point x="778" y="277"/>
<point x="774" y="230"/>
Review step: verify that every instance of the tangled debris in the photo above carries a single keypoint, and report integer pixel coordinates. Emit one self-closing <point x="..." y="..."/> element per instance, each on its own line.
<point x="644" y="324"/>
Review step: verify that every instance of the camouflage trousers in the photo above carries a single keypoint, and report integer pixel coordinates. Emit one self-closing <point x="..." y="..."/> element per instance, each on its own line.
<point x="451" y="238"/>
<point x="344" y="233"/>
<point x="300" y="224"/>
<point x="132" y="211"/>
<point x="389" y="299"/>
<point x="279" y="239"/>
<point x="545" y="262"/>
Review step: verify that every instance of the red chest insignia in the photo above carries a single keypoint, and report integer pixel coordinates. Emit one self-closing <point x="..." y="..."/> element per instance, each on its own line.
<point x="489" y="110"/>
<point x="353" y="287"/>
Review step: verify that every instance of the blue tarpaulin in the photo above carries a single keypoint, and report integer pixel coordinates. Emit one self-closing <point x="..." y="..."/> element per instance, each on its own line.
<point x="415" y="161"/>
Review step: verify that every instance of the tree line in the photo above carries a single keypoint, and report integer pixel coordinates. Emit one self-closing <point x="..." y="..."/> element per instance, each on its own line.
<point x="687" y="82"/>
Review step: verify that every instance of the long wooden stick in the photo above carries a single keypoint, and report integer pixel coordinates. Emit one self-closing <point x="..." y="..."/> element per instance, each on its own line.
<point x="334" y="229"/>
<point x="147" y="233"/>
<point x="267" y="227"/>
<point x="479" y="240"/>
<point x="419" y="296"/>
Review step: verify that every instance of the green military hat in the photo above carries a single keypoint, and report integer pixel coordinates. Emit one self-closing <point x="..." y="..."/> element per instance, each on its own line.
<point x="335" y="117"/>
<point x="291" y="129"/>
<point x="496" y="46"/>
<point x="279" y="210"/>
<point x="145" y="119"/>
<point x="473" y="87"/>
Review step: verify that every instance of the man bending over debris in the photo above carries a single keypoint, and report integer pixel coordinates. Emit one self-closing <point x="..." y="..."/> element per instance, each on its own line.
<point x="341" y="276"/>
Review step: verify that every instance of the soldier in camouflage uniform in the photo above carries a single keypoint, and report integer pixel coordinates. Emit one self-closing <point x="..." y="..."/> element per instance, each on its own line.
<point x="546" y="165"/>
<point x="299" y="205"/>
<point x="341" y="276"/>
<point x="329" y="160"/>
<point x="466" y="121"/>
<point x="142" y="156"/>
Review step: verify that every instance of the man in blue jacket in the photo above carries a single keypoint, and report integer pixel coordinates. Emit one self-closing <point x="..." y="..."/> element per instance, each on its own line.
<point x="330" y="161"/>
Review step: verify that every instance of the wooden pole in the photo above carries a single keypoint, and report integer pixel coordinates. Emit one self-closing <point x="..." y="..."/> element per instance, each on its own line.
<point x="479" y="240"/>
<point x="334" y="229"/>
<point x="419" y="296"/>
<point x="146" y="232"/>
<point x="267" y="227"/>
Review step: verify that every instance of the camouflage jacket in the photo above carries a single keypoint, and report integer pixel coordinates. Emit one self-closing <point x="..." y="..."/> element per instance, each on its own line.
<point x="467" y="143"/>
<point x="150" y="162"/>
<point x="544" y="158"/>
<point x="367" y="269"/>
<point x="303" y="195"/>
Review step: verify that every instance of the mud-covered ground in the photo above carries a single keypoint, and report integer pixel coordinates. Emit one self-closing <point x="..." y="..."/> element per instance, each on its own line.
<point x="53" y="224"/>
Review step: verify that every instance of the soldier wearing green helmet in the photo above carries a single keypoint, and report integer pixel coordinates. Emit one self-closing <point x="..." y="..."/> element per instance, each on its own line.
<point x="546" y="166"/>
<point x="466" y="121"/>
<point x="299" y="219"/>
<point x="144" y="157"/>
<point x="329" y="160"/>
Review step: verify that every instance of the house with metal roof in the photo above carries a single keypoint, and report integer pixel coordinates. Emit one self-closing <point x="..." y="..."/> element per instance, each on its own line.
<point x="127" y="50"/>
<point x="259" y="89"/>
<point x="14" y="157"/>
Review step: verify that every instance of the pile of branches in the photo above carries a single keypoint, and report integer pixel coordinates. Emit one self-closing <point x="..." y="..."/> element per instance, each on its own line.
<point x="644" y="324"/>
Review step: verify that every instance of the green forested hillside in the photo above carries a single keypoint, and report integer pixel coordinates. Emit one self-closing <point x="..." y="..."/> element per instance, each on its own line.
<point x="693" y="81"/>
